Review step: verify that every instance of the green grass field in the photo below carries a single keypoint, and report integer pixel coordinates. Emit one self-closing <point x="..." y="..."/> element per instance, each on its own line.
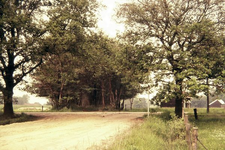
<point x="211" y="128"/>
<point x="28" y="108"/>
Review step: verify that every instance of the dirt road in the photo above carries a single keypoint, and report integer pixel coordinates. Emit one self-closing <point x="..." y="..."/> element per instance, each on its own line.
<point x="67" y="131"/>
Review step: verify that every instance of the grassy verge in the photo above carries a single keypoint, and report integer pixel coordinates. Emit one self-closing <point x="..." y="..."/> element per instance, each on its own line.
<point x="158" y="133"/>
<point x="155" y="133"/>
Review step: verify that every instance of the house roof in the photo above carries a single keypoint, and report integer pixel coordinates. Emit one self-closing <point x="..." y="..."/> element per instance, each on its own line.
<point x="219" y="100"/>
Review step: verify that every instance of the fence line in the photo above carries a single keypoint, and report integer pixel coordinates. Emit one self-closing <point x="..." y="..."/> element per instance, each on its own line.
<point x="202" y="144"/>
<point x="191" y="139"/>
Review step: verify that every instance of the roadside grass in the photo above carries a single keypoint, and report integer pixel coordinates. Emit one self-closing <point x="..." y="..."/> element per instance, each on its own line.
<point x="159" y="131"/>
<point x="137" y="140"/>
<point x="155" y="133"/>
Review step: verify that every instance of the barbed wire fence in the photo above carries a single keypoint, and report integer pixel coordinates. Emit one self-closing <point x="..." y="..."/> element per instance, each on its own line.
<point x="202" y="144"/>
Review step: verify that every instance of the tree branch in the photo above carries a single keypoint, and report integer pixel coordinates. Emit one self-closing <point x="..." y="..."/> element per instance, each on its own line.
<point x="1" y="88"/>
<point x="2" y="61"/>
<point x="21" y="62"/>
<point x="19" y="79"/>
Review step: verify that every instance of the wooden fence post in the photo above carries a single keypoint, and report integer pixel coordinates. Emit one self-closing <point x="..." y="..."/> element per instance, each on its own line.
<point x="194" y="138"/>
<point x="188" y="130"/>
<point x="196" y="114"/>
<point x="185" y="118"/>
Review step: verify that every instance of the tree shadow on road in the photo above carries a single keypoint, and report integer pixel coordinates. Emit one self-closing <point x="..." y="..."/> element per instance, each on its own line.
<point x="18" y="118"/>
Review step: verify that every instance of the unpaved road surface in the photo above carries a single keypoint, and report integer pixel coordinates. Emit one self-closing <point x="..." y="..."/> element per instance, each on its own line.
<point x="67" y="131"/>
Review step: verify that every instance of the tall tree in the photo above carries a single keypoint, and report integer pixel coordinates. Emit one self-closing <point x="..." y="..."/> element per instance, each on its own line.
<point x="69" y="24"/>
<point x="20" y="36"/>
<point x="116" y="67"/>
<point x="103" y="73"/>
<point x="177" y="30"/>
<point x="213" y="64"/>
<point x="98" y="62"/>
<point x="57" y="79"/>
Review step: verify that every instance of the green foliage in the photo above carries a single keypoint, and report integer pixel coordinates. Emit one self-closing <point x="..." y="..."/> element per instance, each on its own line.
<point x="57" y="79"/>
<point x="101" y="72"/>
<point x="21" y="36"/>
<point x="185" y="42"/>
<point x="69" y="22"/>
<point x="68" y="26"/>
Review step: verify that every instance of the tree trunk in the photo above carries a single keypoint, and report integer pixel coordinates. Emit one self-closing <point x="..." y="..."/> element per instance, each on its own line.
<point x="131" y="103"/>
<point x="207" y="83"/>
<point x="8" y="92"/>
<point x="84" y="99"/>
<point x="122" y="105"/>
<point x="178" y="107"/>
<point x="8" y="103"/>
<point x="61" y="93"/>
<point x="111" y="95"/>
<point x="118" y="100"/>
<point x="103" y="93"/>
<point x="54" y="103"/>
<point x="179" y="99"/>
<point x="95" y="95"/>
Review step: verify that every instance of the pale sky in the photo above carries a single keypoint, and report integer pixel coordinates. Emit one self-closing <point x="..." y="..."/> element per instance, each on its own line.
<point x="32" y="97"/>
<point x="107" y="19"/>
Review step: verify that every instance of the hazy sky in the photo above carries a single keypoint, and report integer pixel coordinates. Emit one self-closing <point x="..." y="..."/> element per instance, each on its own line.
<point x="107" y="19"/>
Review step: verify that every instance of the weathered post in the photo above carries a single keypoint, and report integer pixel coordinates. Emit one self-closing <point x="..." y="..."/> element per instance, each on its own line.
<point x="148" y="103"/>
<point x="185" y="118"/>
<point x="195" y="113"/>
<point x="195" y="138"/>
<point x="188" y="129"/>
<point x="42" y="108"/>
<point x="183" y="113"/>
